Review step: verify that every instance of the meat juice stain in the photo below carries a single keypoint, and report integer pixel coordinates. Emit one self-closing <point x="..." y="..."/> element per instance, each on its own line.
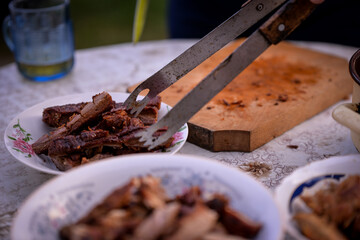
<point x="269" y="79"/>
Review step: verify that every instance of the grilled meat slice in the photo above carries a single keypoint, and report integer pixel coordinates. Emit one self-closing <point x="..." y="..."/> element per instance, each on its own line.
<point x="77" y="143"/>
<point x="64" y="163"/>
<point x="191" y="196"/>
<point x="89" y="112"/>
<point x="95" y="138"/>
<point x="101" y="102"/>
<point x="73" y="150"/>
<point x="158" y="223"/>
<point x="195" y="224"/>
<point x="119" y="198"/>
<point x="149" y="115"/>
<point x="59" y="115"/>
<point x="233" y="221"/>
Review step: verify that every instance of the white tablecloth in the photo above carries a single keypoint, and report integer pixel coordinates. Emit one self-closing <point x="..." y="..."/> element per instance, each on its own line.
<point x="114" y="68"/>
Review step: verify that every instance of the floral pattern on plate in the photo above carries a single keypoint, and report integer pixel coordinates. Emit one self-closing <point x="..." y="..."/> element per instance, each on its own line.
<point x="21" y="138"/>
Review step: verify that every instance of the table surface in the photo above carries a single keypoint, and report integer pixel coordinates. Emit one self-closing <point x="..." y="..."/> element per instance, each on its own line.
<point x="114" y="68"/>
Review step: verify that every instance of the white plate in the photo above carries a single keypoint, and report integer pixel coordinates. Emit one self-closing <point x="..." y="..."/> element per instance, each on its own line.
<point x="28" y="126"/>
<point x="305" y="177"/>
<point x="68" y="197"/>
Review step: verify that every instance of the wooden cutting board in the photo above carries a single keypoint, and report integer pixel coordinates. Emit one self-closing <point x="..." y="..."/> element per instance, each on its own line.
<point x="285" y="86"/>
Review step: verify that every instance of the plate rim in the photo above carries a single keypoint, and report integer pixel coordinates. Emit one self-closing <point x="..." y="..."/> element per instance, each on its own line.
<point x="71" y="96"/>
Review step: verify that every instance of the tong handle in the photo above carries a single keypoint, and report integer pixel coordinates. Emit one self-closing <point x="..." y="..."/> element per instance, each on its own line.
<point x="286" y="19"/>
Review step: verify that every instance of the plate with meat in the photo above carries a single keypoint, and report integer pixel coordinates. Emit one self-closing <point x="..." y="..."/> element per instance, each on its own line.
<point x="65" y="132"/>
<point x="150" y="196"/>
<point x="322" y="199"/>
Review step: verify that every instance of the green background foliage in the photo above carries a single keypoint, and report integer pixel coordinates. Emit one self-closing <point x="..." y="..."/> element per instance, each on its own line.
<point x="106" y="22"/>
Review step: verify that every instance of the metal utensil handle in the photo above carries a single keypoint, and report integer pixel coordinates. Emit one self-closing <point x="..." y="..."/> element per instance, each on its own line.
<point x="247" y="16"/>
<point x="286" y="19"/>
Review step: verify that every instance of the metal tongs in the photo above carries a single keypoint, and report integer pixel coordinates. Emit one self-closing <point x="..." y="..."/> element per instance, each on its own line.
<point x="289" y="15"/>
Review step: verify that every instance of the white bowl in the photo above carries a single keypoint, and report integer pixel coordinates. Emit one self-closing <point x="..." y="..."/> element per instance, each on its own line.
<point x="28" y="125"/>
<point x="292" y="186"/>
<point x="67" y="197"/>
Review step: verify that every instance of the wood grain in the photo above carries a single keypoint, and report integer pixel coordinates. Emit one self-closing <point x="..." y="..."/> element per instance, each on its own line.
<point x="282" y="88"/>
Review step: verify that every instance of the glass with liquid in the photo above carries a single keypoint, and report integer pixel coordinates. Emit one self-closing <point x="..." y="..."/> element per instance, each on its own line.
<point x="40" y="34"/>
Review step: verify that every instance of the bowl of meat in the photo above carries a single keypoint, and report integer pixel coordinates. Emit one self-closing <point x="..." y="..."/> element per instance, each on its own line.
<point x="69" y="131"/>
<point x="322" y="199"/>
<point x="150" y="196"/>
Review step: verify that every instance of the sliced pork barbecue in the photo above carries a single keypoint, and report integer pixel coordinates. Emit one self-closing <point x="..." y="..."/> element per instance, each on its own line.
<point x="94" y="130"/>
<point x="141" y="209"/>
<point x="91" y="111"/>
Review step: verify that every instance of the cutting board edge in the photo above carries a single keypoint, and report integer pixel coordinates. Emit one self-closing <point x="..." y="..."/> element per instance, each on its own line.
<point x="233" y="140"/>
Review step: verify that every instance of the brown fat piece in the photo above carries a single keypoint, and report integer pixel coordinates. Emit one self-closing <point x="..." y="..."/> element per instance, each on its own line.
<point x="218" y="203"/>
<point x="64" y="163"/>
<point x="149" y="115"/>
<point x="152" y="193"/>
<point x="191" y="196"/>
<point x="114" y="121"/>
<point x="159" y="221"/>
<point x="239" y="224"/>
<point x="81" y="232"/>
<point x="196" y="224"/>
<point x="96" y="157"/>
<point x="119" y="198"/>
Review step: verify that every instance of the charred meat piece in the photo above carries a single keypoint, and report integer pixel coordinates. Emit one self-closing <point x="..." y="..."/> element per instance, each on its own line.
<point x="114" y="121"/>
<point x="234" y="222"/>
<point x="89" y="112"/>
<point x="239" y="224"/>
<point x="77" y="143"/>
<point x="64" y="163"/>
<point x="59" y="115"/>
<point x="149" y="115"/>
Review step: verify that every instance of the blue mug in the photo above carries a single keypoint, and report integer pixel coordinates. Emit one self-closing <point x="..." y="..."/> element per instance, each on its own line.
<point x="40" y="35"/>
